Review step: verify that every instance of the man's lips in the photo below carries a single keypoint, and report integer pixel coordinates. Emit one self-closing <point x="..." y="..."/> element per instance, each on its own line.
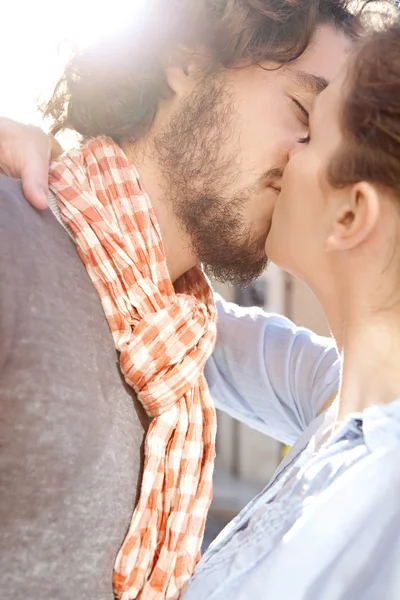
<point x="276" y="188"/>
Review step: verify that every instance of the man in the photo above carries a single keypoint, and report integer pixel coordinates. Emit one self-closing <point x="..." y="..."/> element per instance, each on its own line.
<point x="210" y="142"/>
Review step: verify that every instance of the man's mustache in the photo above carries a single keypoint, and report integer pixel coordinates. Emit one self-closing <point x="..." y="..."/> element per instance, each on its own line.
<point x="272" y="177"/>
<point x="274" y="174"/>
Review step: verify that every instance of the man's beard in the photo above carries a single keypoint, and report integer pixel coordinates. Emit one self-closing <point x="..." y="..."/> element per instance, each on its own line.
<point x="196" y="175"/>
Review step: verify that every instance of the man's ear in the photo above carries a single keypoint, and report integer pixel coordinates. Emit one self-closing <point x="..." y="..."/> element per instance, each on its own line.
<point x="182" y="69"/>
<point x="355" y="217"/>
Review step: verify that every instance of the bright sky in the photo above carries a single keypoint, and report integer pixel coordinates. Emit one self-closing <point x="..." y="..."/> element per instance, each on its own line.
<point x="30" y="37"/>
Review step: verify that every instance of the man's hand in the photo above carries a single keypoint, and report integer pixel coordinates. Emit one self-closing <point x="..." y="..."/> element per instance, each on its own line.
<point x="25" y="153"/>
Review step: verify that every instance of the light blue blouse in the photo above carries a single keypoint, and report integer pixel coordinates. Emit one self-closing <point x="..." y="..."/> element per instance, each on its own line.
<point x="327" y="526"/>
<point x="268" y="373"/>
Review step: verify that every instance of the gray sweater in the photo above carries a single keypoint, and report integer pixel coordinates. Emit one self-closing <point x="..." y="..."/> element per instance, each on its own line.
<point x="71" y="430"/>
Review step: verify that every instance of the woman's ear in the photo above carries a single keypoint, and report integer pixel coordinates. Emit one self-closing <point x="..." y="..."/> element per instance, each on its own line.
<point x="355" y="217"/>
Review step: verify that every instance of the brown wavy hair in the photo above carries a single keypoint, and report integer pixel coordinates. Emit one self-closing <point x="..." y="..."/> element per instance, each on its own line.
<point x="114" y="87"/>
<point x="370" y="115"/>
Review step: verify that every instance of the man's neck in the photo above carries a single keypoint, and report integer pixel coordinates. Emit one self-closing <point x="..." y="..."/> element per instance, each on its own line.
<point x="177" y="246"/>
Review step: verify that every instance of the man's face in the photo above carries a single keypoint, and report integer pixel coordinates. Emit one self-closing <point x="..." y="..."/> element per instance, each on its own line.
<point x="224" y="151"/>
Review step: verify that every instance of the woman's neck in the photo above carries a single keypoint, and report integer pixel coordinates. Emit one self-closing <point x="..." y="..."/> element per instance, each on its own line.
<point x="369" y="344"/>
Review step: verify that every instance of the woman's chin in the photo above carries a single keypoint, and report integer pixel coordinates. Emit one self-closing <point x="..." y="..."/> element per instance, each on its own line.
<point x="270" y="250"/>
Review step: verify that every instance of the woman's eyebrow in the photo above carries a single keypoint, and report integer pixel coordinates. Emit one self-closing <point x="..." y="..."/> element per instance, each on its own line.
<point x="311" y="84"/>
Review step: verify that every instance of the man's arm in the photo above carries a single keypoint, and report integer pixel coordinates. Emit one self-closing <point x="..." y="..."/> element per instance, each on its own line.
<point x="270" y="374"/>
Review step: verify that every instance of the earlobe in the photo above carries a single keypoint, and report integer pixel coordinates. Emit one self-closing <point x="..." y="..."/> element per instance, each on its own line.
<point x="180" y="71"/>
<point x="177" y="79"/>
<point x="355" y="217"/>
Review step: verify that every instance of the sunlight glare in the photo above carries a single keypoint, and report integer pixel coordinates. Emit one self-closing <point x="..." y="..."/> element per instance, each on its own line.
<point x="32" y="34"/>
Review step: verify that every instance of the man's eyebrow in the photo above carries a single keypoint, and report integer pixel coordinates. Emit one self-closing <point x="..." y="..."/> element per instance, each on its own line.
<point x="311" y="84"/>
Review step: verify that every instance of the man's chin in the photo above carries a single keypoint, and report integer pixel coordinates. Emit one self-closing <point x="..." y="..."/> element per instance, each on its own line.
<point x="234" y="275"/>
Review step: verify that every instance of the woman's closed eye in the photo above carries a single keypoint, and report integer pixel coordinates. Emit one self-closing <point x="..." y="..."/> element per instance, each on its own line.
<point x="304" y="140"/>
<point x="303" y="116"/>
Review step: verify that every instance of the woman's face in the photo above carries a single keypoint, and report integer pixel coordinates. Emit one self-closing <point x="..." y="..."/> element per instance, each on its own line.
<point x="304" y="209"/>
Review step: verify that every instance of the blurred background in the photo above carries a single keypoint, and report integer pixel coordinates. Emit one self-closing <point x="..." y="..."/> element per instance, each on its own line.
<point x="34" y="41"/>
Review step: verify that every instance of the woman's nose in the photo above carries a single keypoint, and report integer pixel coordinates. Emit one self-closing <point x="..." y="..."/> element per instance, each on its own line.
<point x="297" y="147"/>
<point x="289" y="147"/>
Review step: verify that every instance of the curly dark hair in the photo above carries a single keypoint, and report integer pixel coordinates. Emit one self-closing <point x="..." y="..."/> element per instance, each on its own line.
<point x="114" y="88"/>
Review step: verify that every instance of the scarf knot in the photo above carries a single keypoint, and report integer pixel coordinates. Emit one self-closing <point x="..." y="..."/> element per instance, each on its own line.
<point x="171" y="347"/>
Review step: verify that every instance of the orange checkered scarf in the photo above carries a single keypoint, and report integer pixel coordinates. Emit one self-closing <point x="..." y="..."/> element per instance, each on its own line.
<point x="164" y="338"/>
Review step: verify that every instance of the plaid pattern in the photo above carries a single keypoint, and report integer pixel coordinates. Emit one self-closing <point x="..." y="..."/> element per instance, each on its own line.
<point x="164" y="337"/>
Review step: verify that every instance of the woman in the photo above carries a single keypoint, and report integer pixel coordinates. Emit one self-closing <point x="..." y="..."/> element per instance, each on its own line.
<point x="328" y="524"/>
<point x="332" y="513"/>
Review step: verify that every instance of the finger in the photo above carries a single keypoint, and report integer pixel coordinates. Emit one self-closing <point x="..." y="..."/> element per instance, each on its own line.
<point x="35" y="183"/>
<point x="56" y="149"/>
